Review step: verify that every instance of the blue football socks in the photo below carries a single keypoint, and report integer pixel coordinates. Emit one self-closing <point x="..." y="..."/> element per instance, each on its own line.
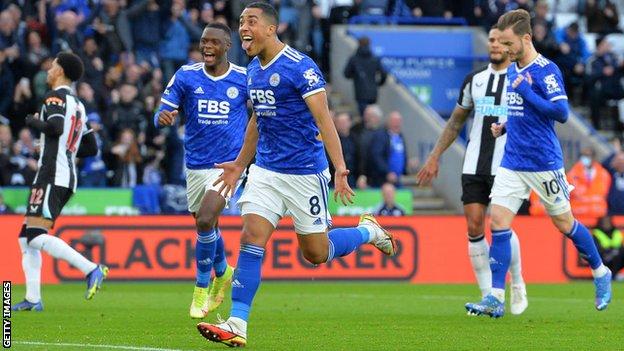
<point x="343" y="241"/>
<point x="500" y="257"/>
<point x="246" y="280"/>
<point x="220" y="261"/>
<point x="585" y="245"/>
<point x="204" y="256"/>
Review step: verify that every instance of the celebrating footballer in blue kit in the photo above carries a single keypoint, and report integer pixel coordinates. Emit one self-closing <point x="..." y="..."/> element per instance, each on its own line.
<point x="287" y="134"/>
<point x="533" y="160"/>
<point x="484" y="91"/>
<point x="213" y="96"/>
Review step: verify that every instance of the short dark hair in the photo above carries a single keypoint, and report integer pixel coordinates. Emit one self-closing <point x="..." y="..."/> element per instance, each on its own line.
<point x="218" y="25"/>
<point x="71" y="64"/>
<point x="518" y="20"/>
<point x="267" y="9"/>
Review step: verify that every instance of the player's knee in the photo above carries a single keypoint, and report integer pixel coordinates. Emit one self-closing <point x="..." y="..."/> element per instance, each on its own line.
<point x="499" y="222"/>
<point x="32" y="232"/>
<point x="314" y="256"/>
<point x="475" y="226"/>
<point x="563" y="222"/>
<point x="205" y="222"/>
<point x="250" y="236"/>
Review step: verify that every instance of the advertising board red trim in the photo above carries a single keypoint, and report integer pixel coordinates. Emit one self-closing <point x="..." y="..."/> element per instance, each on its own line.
<point x="433" y="249"/>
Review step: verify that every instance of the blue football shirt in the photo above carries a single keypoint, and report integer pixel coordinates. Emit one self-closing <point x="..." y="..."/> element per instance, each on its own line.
<point x="288" y="138"/>
<point x="215" y="109"/>
<point x="532" y="144"/>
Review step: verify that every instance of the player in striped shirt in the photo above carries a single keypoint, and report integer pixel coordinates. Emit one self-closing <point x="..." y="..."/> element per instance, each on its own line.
<point x="483" y="92"/>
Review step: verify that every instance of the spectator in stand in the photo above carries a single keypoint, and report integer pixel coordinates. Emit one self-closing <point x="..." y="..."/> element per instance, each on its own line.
<point x="113" y="28"/>
<point x="296" y="23"/>
<point x="174" y="155"/>
<point x="146" y="34"/>
<point x="388" y="155"/>
<point x="6" y="82"/>
<point x="68" y="36"/>
<point x="93" y="65"/>
<point x="605" y="71"/>
<point x="127" y="113"/>
<point x="80" y="7"/>
<point x="93" y="169"/>
<point x="39" y="82"/>
<point x="9" y="41"/>
<point x="152" y="174"/>
<point x="615" y="165"/>
<point x="364" y="133"/>
<point x="367" y="74"/>
<point x="545" y="42"/>
<point x="491" y="10"/>
<point x="591" y="184"/>
<point x="35" y="53"/>
<point x="127" y="159"/>
<point x="602" y="16"/>
<point x="175" y="44"/>
<point x="23" y="104"/>
<point x="349" y="146"/>
<point x="23" y="162"/>
<point x="133" y="75"/>
<point x="609" y="241"/>
<point x="540" y="17"/>
<point x="574" y="55"/>
<point x="389" y="206"/>
<point x="21" y="29"/>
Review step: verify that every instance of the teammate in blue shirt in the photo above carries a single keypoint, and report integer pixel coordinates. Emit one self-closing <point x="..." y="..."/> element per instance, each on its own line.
<point x="213" y="95"/>
<point x="533" y="161"/>
<point x="290" y="125"/>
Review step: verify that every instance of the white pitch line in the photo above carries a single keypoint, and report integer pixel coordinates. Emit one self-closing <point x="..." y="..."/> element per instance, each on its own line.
<point x="115" y="347"/>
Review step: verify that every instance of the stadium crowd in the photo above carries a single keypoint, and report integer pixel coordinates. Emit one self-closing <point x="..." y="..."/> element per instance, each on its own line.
<point x="131" y="48"/>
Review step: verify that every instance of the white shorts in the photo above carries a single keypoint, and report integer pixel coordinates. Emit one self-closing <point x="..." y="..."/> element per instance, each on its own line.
<point x="512" y="187"/>
<point x="198" y="183"/>
<point x="272" y="195"/>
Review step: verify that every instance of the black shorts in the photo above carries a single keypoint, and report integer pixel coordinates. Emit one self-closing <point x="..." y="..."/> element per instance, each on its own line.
<point x="476" y="188"/>
<point x="47" y="200"/>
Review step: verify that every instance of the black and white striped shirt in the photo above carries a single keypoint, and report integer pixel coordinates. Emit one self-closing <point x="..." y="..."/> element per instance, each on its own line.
<point x="57" y="160"/>
<point x="484" y="92"/>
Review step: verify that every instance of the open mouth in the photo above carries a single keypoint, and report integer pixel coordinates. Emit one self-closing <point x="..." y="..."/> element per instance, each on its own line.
<point x="247" y="40"/>
<point x="209" y="56"/>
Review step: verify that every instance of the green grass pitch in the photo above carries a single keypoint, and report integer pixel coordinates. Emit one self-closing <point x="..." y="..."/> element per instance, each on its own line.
<point x="320" y="316"/>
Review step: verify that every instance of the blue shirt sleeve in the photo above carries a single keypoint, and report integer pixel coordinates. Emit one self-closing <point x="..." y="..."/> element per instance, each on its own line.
<point x="551" y="84"/>
<point x="310" y="79"/>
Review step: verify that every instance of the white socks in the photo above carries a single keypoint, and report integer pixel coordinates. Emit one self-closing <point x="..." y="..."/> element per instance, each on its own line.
<point x="31" y="264"/>
<point x="515" y="266"/>
<point x="239" y="324"/>
<point x="600" y="271"/>
<point x="479" y="253"/>
<point x="57" y="248"/>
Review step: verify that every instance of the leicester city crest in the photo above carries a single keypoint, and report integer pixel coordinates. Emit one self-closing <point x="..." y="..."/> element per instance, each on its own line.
<point x="232" y="92"/>
<point x="274" y="80"/>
